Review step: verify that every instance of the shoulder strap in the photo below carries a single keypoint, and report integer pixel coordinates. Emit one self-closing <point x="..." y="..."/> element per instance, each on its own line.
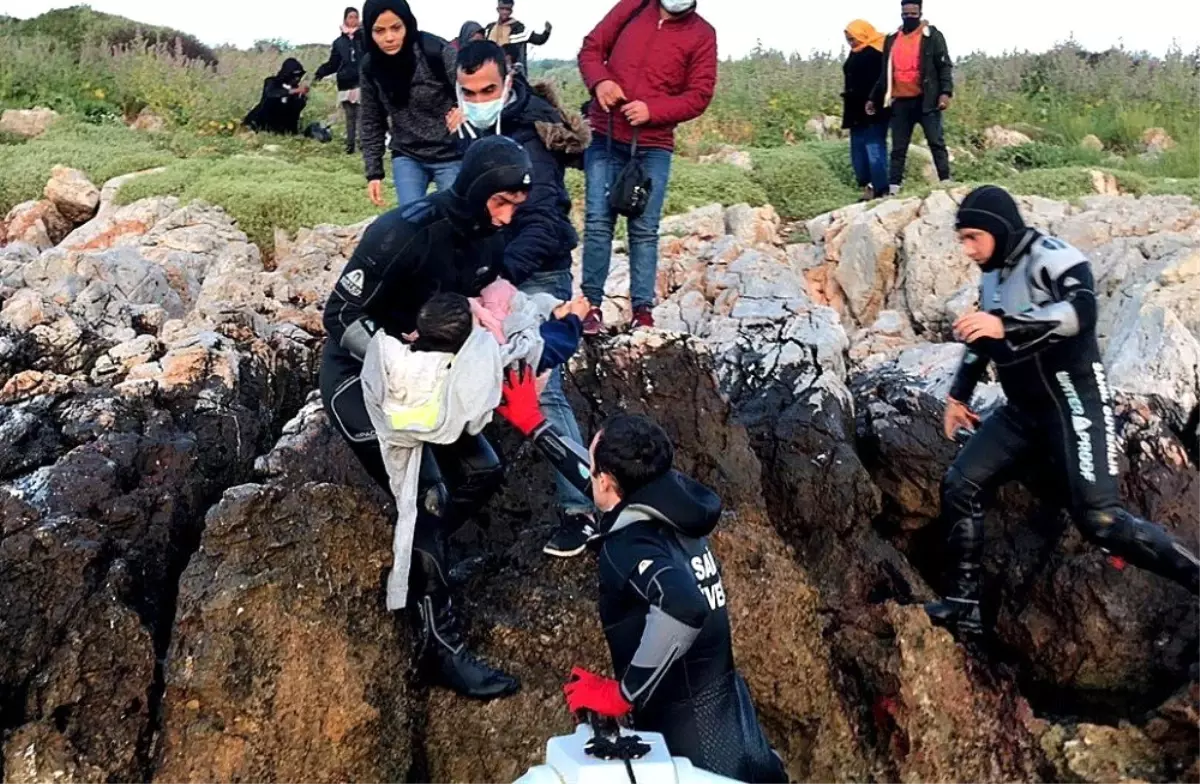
<point x="432" y="47"/>
<point x="637" y="12"/>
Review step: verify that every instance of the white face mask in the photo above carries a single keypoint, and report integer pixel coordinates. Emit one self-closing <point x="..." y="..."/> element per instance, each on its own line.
<point x="486" y="113"/>
<point x="677" y="6"/>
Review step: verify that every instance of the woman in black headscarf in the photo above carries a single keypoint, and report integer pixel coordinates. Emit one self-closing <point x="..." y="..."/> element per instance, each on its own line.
<point x="407" y="82"/>
<point x="283" y="100"/>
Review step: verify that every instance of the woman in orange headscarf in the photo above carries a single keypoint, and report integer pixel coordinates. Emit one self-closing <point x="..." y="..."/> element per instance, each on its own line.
<point x="868" y="133"/>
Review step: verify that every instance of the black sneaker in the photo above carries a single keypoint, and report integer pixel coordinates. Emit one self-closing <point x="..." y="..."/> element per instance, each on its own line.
<point x="571" y="537"/>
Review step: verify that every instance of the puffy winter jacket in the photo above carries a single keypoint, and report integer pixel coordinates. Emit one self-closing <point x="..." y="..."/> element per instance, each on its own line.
<point x="670" y="64"/>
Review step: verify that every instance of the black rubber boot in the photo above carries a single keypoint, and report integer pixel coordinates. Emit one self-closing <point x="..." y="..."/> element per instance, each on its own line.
<point x="442" y="654"/>
<point x="959" y="610"/>
<point x="1145" y="545"/>
<point x="447" y="662"/>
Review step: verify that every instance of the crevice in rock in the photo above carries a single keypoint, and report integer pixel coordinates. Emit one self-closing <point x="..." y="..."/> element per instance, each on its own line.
<point x="187" y="542"/>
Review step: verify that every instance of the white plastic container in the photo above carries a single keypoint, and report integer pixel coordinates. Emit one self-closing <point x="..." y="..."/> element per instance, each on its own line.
<point x="567" y="762"/>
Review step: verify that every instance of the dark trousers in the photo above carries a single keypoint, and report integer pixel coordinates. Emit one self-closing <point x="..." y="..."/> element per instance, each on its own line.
<point x="868" y="156"/>
<point x="907" y="113"/>
<point x="1075" y="443"/>
<point x="351" y="111"/>
<point x="457" y="480"/>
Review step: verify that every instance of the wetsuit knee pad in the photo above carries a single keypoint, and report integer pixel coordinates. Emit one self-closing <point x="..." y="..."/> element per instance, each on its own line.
<point x="1104" y="526"/>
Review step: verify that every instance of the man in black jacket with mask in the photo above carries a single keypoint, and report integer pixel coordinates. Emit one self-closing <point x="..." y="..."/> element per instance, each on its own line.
<point x="345" y="58"/>
<point x="1037" y="322"/>
<point x="662" y="601"/>
<point x="283" y="100"/>
<point x="537" y="255"/>
<point x="446" y="242"/>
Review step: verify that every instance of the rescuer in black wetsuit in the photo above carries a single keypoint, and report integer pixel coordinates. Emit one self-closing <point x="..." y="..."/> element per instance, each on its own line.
<point x="662" y="602"/>
<point x="447" y="242"/>
<point x="1037" y="322"/>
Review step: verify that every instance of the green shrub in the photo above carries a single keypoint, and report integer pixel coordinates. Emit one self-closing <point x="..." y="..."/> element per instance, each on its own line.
<point x="799" y="183"/>
<point x="1168" y="186"/>
<point x="695" y="185"/>
<point x="79" y="26"/>
<point x="264" y="193"/>
<point x="1040" y="155"/>
<point x="101" y="152"/>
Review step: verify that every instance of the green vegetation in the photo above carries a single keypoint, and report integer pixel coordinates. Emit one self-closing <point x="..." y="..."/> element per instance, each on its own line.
<point x="102" y="71"/>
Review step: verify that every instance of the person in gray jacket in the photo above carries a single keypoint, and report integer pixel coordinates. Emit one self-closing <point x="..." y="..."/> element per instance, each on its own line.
<point x="407" y="91"/>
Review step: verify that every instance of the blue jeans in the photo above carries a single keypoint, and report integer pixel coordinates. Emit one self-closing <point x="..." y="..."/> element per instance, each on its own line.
<point x="602" y="169"/>
<point x="555" y="405"/>
<point x="868" y="155"/>
<point x="413" y="177"/>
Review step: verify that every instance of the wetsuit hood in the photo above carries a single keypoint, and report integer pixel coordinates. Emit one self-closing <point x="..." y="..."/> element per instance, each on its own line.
<point x="493" y="165"/>
<point x="992" y="209"/>
<point x="675" y="500"/>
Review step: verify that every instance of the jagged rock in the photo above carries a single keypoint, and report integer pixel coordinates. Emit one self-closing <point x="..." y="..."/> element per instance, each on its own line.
<point x="1104" y="184"/>
<point x="866" y="268"/>
<point x="36" y="223"/>
<point x="998" y="137"/>
<point x="1156" y="141"/>
<point x="704" y="222"/>
<point x="73" y="194"/>
<point x="1073" y="622"/>
<point x="936" y="716"/>
<point x="934" y="267"/>
<point x="890" y="332"/>
<point x="751" y="226"/>
<point x="1102" y="219"/>
<point x="148" y="121"/>
<point x="1092" y="753"/>
<point x="1151" y="352"/>
<point x="27" y="122"/>
<point x="284" y="665"/>
<point x="825" y="127"/>
<point x="114" y="226"/>
<point x="117" y="428"/>
<point x="730" y="155"/>
<point x="1092" y="142"/>
<point x="25" y="310"/>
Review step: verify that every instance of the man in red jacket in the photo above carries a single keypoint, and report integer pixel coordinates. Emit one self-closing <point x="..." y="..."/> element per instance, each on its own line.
<point x="650" y="65"/>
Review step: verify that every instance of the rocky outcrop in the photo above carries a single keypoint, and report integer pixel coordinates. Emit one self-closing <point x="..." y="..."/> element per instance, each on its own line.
<point x="196" y="562"/>
<point x="731" y="156"/>
<point x="27" y="122"/>
<point x="138" y="383"/>
<point x="1092" y="142"/>
<point x="998" y="137"/>
<point x="36" y="223"/>
<point x="73" y="194"/>
<point x="1156" y="141"/>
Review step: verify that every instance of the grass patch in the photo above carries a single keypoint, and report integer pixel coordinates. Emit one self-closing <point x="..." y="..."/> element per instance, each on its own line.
<point x="799" y="182"/>
<point x="100" y="152"/>
<point x="264" y="193"/>
<point x="696" y="185"/>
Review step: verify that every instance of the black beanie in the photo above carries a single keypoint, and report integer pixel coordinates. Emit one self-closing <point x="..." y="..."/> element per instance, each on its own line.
<point x="349" y="10"/>
<point x="493" y="165"/>
<point x="911" y="2"/>
<point x="992" y="209"/>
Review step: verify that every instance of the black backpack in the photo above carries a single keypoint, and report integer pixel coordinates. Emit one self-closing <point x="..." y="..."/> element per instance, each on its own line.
<point x="629" y="194"/>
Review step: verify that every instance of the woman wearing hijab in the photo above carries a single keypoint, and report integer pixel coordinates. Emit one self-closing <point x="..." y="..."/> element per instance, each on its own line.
<point x="407" y="84"/>
<point x="868" y="133"/>
<point x="283" y="100"/>
<point x="345" y="57"/>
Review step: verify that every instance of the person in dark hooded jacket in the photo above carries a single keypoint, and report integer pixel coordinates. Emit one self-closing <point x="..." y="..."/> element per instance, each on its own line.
<point x="407" y="91"/>
<point x="444" y="243"/>
<point x="345" y="57"/>
<point x="662" y="601"/>
<point x="470" y="31"/>
<point x="537" y="255"/>
<point x="283" y="100"/>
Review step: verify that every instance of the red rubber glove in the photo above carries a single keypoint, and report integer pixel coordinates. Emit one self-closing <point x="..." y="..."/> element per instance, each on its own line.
<point x="589" y="691"/>
<point x="519" y="400"/>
